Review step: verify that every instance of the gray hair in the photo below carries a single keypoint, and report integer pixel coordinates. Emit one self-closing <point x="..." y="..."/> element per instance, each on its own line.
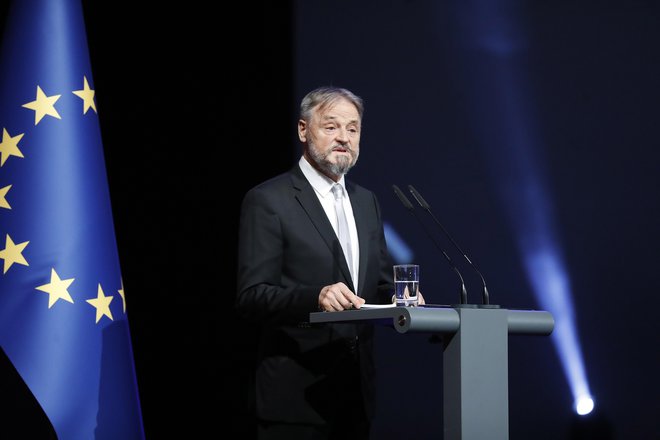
<point x="325" y="96"/>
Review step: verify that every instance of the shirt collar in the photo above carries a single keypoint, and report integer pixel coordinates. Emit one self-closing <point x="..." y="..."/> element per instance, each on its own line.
<point x="321" y="183"/>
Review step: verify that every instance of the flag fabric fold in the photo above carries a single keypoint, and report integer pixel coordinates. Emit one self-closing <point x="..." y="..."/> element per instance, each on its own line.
<point x="63" y="319"/>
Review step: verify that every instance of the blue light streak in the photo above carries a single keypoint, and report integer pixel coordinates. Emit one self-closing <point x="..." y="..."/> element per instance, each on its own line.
<point x="400" y="251"/>
<point x="495" y="46"/>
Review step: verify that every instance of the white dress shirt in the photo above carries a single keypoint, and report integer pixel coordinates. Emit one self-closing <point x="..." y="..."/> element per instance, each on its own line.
<point x="323" y="187"/>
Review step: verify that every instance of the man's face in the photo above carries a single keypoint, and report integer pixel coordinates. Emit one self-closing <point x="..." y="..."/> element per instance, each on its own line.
<point x="333" y="138"/>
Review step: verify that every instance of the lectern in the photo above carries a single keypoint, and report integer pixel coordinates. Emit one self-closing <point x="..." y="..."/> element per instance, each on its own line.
<point x="475" y="358"/>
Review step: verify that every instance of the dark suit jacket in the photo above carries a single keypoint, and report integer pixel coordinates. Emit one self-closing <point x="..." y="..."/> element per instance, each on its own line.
<point x="288" y="251"/>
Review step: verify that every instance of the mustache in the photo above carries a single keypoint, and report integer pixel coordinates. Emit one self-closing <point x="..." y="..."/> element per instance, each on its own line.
<point x="342" y="147"/>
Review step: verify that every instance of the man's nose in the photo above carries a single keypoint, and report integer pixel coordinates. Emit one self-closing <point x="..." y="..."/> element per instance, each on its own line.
<point x="342" y="135"/>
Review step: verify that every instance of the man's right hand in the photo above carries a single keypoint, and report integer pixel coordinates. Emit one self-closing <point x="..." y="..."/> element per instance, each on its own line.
<point x="337" y="297"/>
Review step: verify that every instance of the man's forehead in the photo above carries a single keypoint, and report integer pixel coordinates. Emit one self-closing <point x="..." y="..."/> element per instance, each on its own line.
<point x="339" y="110"/>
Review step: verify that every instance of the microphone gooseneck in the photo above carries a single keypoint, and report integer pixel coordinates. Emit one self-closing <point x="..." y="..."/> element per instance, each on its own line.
<point x="409" y="206"/>
<point x="427" y="208"/>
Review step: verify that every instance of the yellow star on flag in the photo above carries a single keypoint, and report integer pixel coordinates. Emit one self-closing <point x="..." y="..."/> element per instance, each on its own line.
<point x="13" y="253"/>
<point x="9" y="146"/>
<point x="87" y="95"/>
<point x="123" y="295"/>
<point x="56" y="289"/>
<point x="43" y="105"/>
<point x="102" y="305"/>
<point x="3" y="197"/>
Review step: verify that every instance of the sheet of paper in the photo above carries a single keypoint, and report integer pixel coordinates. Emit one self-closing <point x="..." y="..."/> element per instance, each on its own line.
<point x="377" y="306"/>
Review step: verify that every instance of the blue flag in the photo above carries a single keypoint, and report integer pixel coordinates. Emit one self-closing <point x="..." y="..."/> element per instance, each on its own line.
<point x="63" y="319"/>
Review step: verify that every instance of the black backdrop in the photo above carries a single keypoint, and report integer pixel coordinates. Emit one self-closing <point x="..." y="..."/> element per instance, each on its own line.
<point x="197" y="104"/>
<point x="193" y="106"/>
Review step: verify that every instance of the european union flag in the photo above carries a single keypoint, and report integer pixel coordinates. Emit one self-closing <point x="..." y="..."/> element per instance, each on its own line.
<point x="63" y="321"/>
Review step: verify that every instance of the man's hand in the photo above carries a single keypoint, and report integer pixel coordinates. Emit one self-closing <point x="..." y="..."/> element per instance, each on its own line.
<point x="337" y="297"/>
<point x="420" y="299"/>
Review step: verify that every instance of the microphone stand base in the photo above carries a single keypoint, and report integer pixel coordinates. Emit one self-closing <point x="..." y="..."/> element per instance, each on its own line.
<point x="475" y="306"/>
<point x="488" y="306"/>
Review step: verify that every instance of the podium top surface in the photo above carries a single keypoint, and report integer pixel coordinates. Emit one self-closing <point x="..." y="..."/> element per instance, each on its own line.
<point x="440" y="319"/>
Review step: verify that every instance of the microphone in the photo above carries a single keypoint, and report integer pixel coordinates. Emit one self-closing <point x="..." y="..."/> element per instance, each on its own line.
<point x="406" y="203"/>
<point x="427" y="208"/>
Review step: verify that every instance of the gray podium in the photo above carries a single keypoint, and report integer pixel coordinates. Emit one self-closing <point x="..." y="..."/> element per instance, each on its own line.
<point x="475" y="358"/>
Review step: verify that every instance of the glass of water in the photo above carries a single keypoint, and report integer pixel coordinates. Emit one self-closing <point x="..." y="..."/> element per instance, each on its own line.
<point x="406" y="284"/>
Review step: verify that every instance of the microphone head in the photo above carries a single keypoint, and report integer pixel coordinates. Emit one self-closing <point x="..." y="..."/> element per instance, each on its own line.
<point x="402" y="197"/>
<point x="419" y="198"/>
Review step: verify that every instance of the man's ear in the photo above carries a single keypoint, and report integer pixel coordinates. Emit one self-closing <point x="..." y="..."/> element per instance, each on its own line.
<point x="302" y="130"/>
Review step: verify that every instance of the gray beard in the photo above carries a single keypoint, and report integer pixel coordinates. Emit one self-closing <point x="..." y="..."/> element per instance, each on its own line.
<point x="339" y="169"/>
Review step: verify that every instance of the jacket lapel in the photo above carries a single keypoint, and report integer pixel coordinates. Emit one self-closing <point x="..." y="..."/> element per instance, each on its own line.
<point x="311" y="205"/>
<point x="361" y="221"/>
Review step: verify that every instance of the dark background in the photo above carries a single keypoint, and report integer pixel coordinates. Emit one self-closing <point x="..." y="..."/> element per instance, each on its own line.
<point x="197" y="104"/>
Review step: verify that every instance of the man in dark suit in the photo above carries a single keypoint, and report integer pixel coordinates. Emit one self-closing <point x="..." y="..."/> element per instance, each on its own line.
<point x="314" y="381"/>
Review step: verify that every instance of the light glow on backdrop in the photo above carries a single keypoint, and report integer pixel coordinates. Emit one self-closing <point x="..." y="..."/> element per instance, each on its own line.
<point x="401" y="252"/>
<point x="504" y="120"/>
